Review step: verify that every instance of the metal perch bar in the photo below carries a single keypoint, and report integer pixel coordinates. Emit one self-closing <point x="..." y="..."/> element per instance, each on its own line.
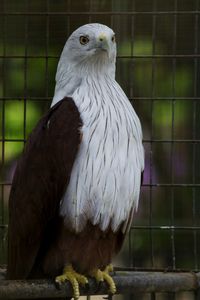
<point x="126" y="282"/>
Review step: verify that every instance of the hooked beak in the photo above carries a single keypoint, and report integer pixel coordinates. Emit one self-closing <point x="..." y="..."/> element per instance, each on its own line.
<point x="102" y="42"/>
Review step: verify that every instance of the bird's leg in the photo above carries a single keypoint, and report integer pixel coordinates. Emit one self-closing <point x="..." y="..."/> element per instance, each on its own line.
<point x="69" y="274"/>
<point x="104" y="276"/>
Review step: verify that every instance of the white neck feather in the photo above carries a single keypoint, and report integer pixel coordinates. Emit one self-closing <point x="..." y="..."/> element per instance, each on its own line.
<point x="69" y="75"/>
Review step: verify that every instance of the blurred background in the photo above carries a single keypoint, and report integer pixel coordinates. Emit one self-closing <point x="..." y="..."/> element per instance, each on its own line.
<point x="158" y="66"/>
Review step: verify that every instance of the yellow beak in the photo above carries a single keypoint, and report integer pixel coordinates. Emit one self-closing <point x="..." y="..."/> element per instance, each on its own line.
<point x="103" y="42"/>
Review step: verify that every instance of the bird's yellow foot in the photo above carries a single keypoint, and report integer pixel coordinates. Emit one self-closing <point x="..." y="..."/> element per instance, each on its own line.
<point x="69" y="274"/>
<point x="104" y="276"/>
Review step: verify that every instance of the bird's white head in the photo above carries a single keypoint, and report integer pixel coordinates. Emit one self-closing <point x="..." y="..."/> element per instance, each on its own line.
<point x="90" y="43"/>
<point x="90" y="49"/>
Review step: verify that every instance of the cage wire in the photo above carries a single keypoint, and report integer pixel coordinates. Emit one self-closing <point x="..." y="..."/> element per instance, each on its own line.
<point x="158" y="66"/>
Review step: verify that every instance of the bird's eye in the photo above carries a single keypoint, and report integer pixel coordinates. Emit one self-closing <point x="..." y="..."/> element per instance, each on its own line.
<point x="83" y="40"/>
<point x="113" y="38"/>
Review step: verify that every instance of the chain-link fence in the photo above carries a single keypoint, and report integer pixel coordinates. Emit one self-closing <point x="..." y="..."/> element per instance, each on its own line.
<point x="158" y="66"/>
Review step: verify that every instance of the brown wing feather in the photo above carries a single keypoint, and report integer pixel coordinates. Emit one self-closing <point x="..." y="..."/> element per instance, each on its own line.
<point x="40" y="180"/>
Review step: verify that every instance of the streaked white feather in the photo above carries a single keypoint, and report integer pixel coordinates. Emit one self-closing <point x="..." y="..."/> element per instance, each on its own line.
<point x="105" y="181"/>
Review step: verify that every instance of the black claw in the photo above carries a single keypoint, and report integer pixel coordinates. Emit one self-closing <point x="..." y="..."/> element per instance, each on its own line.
<point x="57" y="285"/>
<point x="100" y="284"/>
<point x="86" y="287"/>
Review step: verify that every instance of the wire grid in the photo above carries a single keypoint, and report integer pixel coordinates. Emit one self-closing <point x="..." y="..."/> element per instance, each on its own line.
<point x="158" y="67"/>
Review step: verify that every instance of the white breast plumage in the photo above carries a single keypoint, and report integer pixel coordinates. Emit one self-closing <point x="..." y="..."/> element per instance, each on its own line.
<point x="105" y="180"/>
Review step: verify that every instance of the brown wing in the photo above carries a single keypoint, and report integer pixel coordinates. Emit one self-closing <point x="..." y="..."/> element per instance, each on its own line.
<point x="40" y="180"/>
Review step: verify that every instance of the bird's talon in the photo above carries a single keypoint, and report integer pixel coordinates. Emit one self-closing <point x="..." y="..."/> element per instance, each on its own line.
<point x="69" y="274"/>
<point x="101" y="276"/>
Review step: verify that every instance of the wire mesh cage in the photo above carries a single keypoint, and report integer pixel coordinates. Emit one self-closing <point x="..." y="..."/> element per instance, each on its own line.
<point x="158" y="66"/>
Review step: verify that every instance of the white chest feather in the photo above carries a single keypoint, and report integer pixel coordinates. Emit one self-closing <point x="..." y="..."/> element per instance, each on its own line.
<point x="105" y="181"/>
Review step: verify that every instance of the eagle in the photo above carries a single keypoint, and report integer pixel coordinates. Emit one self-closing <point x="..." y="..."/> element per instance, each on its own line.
<point x="77" y="183"/>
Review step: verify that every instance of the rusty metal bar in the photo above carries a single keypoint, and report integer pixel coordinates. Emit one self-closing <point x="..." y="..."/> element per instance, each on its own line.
<point x="126" y="282"/>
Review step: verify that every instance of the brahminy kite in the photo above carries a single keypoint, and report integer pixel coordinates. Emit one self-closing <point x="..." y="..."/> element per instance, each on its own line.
<point x="77" y="183"/>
